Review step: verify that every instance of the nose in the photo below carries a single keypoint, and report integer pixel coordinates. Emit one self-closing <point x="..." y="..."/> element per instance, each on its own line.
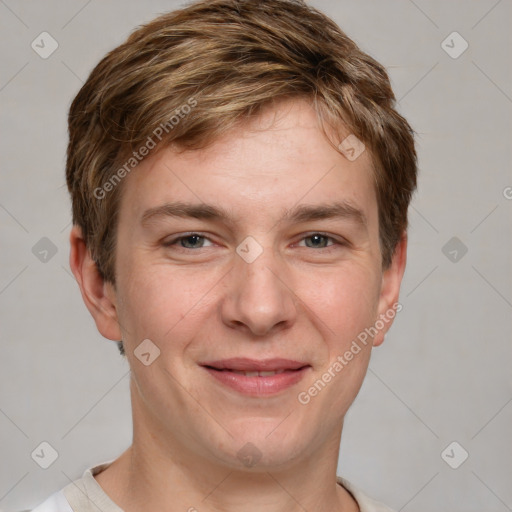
<point x="258" y="299"/>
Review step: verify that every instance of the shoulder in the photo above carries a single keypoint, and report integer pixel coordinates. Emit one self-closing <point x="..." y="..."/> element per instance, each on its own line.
<point x="55" y="503"/>
<point x="366" y="504"/>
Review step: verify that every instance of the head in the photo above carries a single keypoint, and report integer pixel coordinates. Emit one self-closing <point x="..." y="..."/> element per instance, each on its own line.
<point x="252" y="110"/>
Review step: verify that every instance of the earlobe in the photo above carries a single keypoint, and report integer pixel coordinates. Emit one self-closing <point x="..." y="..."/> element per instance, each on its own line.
<point x="389" y="304"/>
<point x="98" y="295"/>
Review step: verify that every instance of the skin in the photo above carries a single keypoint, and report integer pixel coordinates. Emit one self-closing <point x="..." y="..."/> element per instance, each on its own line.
<point x="302" y="298"/>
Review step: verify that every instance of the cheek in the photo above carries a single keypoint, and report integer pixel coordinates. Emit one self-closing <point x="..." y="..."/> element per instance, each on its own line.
<point x="159" y="302"/>
<point x="345" y="304"/>
<point x="344" y="301"/>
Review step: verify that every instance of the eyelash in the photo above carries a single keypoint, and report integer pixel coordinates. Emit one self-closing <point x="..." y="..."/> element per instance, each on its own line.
<point x="334" y="241"/>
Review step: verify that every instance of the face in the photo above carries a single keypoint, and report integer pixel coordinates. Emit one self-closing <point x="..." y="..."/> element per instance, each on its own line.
<point x="257" y="254"/>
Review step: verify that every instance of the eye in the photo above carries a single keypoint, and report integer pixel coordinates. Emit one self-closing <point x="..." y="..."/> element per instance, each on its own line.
<point x="319" y="241"/>
<point x="189" y="241"/>
<point x="193" y="241"/>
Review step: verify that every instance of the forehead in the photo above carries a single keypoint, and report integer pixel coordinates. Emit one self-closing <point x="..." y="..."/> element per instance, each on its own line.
<point x="266" y="167"/>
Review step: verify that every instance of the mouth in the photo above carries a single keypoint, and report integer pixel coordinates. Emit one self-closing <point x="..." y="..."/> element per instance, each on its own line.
<point x="257" y="378"/>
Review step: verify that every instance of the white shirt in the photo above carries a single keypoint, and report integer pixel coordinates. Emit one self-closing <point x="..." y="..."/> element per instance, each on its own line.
<point x="86" y="495"/>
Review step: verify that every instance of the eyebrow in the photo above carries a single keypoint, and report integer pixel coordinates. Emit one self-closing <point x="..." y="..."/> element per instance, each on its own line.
<point x="301" y="213"/>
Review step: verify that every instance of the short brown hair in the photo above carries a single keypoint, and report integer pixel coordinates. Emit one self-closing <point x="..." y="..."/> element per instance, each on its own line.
<point x="228" y="59"/>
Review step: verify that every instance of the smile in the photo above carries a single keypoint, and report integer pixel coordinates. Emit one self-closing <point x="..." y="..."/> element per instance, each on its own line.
<point x="257" y="378"/>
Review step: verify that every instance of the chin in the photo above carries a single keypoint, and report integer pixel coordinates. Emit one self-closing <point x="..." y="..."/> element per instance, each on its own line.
<point x="258" y="445"/>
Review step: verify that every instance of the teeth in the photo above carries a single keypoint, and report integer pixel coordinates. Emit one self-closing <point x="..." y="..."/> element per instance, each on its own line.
<point x="257" y="374"/>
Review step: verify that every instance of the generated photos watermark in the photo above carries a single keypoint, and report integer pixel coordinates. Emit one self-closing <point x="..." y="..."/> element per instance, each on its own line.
<point x="151" y="142"/>
<point x="304" y="397"/>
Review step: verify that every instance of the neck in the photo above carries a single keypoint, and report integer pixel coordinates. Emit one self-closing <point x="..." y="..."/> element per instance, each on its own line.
<point x="158" y="473"/>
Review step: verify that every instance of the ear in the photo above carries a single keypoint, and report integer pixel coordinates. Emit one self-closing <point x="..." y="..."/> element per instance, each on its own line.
<point x="98" y="295"/>
<point x="390" y="290"/>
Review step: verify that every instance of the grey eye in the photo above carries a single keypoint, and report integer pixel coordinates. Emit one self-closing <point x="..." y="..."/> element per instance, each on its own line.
<point x="318" y="241"/>
<point x="192" y="241"/>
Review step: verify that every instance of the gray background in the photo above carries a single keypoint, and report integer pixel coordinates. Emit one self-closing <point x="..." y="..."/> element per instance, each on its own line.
<point x="443" y="374"/>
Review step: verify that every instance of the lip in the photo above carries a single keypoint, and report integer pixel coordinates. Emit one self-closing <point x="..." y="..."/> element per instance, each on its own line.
<point x="245" y="364"/>
<point x="223" y="371"/>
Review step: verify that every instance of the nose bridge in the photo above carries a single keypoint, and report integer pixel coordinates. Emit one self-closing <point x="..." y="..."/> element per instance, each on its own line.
<point x="259" y="297"/>
<point x="260" y="274"/>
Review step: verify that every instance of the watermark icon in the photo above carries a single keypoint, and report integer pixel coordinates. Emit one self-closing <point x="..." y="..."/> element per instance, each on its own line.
<point x="454" y="45"/>
<point x="249" y="455"/>
<point x="44" y="45"/>
<point x="146" y="352"/>
<point x="44" y="455"/>
<point x="454" y="249"/>
<point x="454" y="455"/>
<point x="304" y="397"/>
<point x="507" y="193"/>
<point x="249" y="249"/>
<point x="351" y="147"/>
<point x="44" y="250"/>
<point x="151" y="142"/>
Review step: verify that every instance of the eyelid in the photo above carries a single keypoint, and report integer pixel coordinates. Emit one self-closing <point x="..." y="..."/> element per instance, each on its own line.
<point x="182" y="236"/>
<point x="336" y="240"/>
